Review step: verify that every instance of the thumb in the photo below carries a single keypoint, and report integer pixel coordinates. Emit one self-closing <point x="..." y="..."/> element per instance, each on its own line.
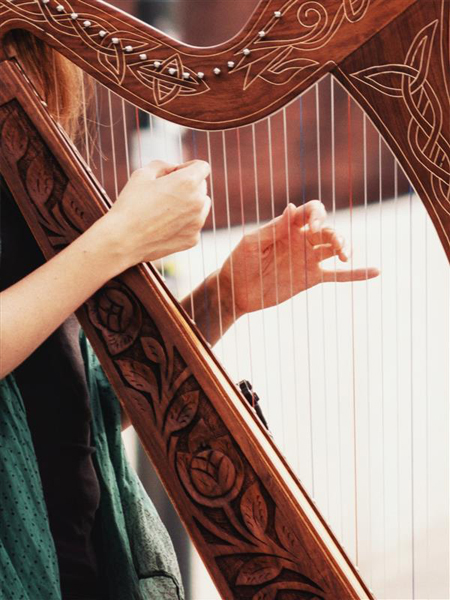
<point x="278" y="227"/>
<point x="197" y="170"/>
<point x="159" y="168"/>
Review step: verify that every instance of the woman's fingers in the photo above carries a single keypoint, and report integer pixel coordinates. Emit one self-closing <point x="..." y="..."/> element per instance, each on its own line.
<point x="323" y="252"/>
<point x="334" y="243"/>
<point x="277" y="228"/>
<point x="312" y="213"/>
<point x="343" y="276"/>
<point x="157" y="168"/>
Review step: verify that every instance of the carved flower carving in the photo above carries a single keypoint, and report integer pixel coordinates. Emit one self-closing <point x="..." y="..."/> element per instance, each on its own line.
<point x="116" y="313"/>
<point x="212" y="473"/>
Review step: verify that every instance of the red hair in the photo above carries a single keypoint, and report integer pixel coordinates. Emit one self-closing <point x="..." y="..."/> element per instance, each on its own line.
<point x="58" y="81"/>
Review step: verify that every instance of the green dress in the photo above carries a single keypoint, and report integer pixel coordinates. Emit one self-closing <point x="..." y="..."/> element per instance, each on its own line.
<point x="138" y="560"/>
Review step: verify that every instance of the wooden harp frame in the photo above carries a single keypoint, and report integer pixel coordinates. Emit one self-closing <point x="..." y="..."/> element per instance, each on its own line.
<point x="393" y="58"/>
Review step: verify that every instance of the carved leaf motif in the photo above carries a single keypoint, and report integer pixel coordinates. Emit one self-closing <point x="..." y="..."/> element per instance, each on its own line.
<point x="139" y="399"/>
<point x="182" y="411"/>
<point x="267" y="593"/>
<point x="287" y="537"/>
<point x="139" y="376"/>
<point x="40" y="180"/>
<point x="117" y="342"/>
<point x="254" y="510"/>
<point x="14" y="138"/>
<point x="155" y="352"/>
<point x="270" y="591"/>
<point x="259" y="570"/>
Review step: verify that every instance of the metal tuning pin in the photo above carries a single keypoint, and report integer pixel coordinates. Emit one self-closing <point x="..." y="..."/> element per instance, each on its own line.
<point x="172" y="71"/>
<point x="200" y="75"/>
<point x="277" y="14"/>
<point x="115" y="41"/>
<point x="102" y="33"/>
<point x="74" y="16"/>
<point x="186" y="75"/>
<point x="262" y="34"/>
<point x="253" y="399"/>
<point x="246" y="52"/>
<point x="87" y="24"/>
<point x="143" y="56"/>
<point x="217" y="71"/>
<point x="230" y="64"/>
<point x="128" y="48"/>
<point x="60" y="8"/>
<point x="156" y="64"/>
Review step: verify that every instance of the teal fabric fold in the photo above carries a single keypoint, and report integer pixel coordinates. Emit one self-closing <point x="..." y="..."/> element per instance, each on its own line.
<point x="137" y="556"/>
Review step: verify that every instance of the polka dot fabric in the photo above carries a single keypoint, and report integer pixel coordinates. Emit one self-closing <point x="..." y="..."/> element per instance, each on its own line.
<point x="136" y="550"/>
<point x="28" y="565"/>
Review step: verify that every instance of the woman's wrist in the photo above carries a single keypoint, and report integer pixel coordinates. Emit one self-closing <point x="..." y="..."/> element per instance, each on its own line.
<point x="106" y="246"/>
<point x="231" y="310"/>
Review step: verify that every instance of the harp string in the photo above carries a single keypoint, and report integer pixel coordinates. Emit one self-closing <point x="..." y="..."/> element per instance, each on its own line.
<point x="306" y="293"/>
<point x="125" y="137"/>
<point x="336" y="308"/>
<point x="275" y="262"/>
<point x="322" y="302"/>
<point x="258" y="223"/>
<point x="291" y="285"/>
<point x="413" y="541"/>
<point x="367" y="329"/>
<point x="352" y="305"/>
<point x="230" y="245"/>
<point x="241" y="198"/>
<point x="214" y="228"/>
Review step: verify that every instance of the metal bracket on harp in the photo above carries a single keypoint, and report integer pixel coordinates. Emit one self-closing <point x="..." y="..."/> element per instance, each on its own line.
<point x="252" y="398"/>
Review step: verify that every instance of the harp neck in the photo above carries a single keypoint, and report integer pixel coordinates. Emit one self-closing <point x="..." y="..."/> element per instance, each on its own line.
<point x="285" y="47"/>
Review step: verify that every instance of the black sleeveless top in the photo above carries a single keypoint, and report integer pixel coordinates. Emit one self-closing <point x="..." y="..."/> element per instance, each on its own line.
<point x="54" y="390"/>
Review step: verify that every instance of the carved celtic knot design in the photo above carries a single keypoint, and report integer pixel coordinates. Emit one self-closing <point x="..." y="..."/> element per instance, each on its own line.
<point x="120" y="50"/>
<point x="277" y="60"/>
<point x="408" y="81"/>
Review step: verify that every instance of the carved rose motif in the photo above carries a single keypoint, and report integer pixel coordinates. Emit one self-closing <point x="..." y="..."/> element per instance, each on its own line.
<point x="116" y="313"/>
<point x="210" y="476"/>
<point x="212" y="473"/>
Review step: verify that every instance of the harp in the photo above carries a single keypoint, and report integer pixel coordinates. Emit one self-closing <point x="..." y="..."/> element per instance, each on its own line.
<point x="260" y="534"/>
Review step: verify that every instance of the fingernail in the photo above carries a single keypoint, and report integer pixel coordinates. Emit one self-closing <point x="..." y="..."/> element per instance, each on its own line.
<point x="315" y="226"/>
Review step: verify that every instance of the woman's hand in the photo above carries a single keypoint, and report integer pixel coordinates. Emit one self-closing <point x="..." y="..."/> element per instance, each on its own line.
<point x="161" y="210"/>
<point x="283" y="258"/>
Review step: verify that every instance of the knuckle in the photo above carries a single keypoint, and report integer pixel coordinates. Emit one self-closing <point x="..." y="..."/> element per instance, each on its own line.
<point x="204" y="166"/>
<point x="194" y="239"/>
<point x="189" y="183"/>
<point x="139" y="173"/>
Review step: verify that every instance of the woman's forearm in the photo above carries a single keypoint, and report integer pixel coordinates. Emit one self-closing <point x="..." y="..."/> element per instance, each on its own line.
<point x="210" y="305"/>
<point x="34" y="307"/>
